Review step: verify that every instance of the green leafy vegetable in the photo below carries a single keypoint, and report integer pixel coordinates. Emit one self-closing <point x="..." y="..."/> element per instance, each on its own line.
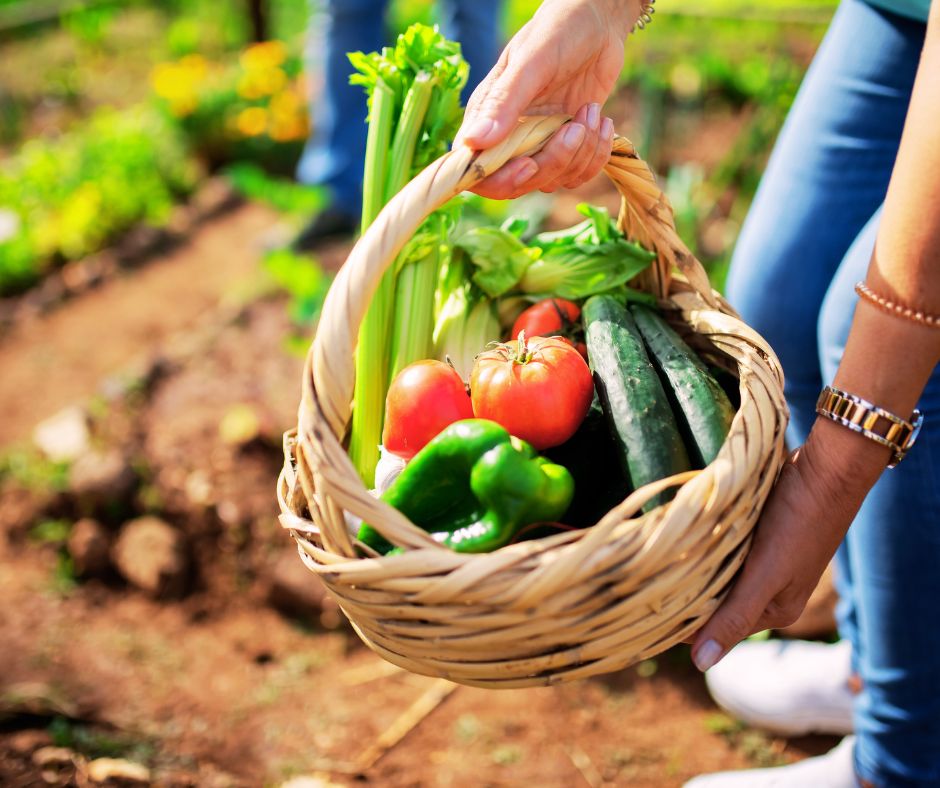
<point x="499" y="256"/>
<point x="590" y="258"/>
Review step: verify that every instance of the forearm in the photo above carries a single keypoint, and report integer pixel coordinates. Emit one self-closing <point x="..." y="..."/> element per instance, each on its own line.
<point x="888" y="358"/>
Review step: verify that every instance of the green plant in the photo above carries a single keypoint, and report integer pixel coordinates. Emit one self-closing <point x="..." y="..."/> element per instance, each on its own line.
<point x="97" y="743"/>
<point x="304" y="279"/>
<point x="74" y="194"/>
<point x="51" y="531"/>
<point x="284" y="195"/>
<point x="29" y="469"/>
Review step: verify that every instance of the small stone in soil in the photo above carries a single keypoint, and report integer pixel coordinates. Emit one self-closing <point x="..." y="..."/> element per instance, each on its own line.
<point x="103" y="770"/>
<point x="63" y="437"/>
<point x="102" y="477"/>
<point x="89" y="545"/>
<point x="28" y="741"/>
<point x="152" y="555"/>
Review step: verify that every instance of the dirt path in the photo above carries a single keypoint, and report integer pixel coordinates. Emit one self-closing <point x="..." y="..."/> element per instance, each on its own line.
<point x="247" y="693"/>
<point x="62" y="358"/>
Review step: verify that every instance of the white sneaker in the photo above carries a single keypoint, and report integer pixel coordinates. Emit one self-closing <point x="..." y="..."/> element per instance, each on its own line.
<point x="835" y="769"/>
<point x="789" y="687"/>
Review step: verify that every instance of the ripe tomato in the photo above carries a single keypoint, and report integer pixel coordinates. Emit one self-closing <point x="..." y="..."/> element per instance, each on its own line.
<point x="424" y="398"/>
<point x="539" y="389"/>
<point x="553" y="317"/>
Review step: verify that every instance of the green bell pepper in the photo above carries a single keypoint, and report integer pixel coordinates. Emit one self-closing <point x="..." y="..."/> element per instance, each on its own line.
<point x="474" y="487"/>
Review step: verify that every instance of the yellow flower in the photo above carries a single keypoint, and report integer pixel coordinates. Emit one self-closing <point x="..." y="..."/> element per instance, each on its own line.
<point x="178" y="85"/>
<point x="196" y="65"/>
<point x="266" y="55"/>
<point x="257" y="84"/>
<point x="252" y="121"/>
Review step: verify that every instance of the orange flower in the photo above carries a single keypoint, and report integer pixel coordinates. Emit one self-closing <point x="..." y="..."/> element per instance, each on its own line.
<point x="266" y="55"/>
<point x="252" y="121"/>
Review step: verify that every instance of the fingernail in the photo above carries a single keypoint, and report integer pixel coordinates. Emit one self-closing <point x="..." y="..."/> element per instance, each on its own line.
<point x="478" y="130"/>
<point x="525" y="172"/>
<point x="574" y="135"/>
<point x="593" y="116"/>
<point x="607" y="129"/>
<point x="707" y="655"/>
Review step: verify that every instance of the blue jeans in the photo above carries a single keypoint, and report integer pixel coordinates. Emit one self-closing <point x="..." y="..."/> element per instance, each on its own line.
<point x="335" y="153"/>
<point x="806" y="242"/>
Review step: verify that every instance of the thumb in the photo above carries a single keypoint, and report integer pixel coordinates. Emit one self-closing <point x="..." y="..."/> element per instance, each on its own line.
<point x="734" y="620"/>
<point x="495" y="107"/>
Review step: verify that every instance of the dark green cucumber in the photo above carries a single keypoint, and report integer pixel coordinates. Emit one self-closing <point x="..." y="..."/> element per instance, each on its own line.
<point x="632" y="395"/>
<point x="592" y="457"/>
<point x="701" y="405"/>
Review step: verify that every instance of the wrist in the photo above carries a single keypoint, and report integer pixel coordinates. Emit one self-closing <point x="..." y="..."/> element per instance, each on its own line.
<point x="843" y="460"/>
<point x="622" y="14"/>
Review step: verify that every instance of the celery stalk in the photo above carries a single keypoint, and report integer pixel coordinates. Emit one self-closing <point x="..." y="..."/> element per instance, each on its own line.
<point x="414" y="296"/>
<point x="407" y="133"/>
<point x="381" y="122"/>
<point x="413" y="90"/>
<point x="371" y="356"/>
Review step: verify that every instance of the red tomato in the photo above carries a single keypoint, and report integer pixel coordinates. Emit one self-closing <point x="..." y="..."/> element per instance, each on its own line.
<point x="424" y="398"/>
<point x="539" y="389"/>
<point x="552" y="317"/>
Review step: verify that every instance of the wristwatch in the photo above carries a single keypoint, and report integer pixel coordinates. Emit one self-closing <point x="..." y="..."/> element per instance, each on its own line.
<point x="865" y="418"/>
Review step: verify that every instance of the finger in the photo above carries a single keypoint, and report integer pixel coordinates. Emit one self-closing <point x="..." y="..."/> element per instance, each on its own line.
<point x="605" y="144"/>
<point x="496" y="106"/>
<point x="526" y="174"/>
<point x="734" y="620"/>
<point x="594" y="153"/>
<point x="587" y="116"/>
<point x="561" y="153"/>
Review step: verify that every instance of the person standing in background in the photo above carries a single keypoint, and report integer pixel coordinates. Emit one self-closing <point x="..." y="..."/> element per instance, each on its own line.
<point x="333" y="157"/>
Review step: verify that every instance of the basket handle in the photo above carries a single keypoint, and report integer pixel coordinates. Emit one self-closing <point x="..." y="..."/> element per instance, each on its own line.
<point x="645" y="216"/>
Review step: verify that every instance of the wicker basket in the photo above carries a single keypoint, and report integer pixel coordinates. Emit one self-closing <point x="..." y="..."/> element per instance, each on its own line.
<point x="567" y="606"/>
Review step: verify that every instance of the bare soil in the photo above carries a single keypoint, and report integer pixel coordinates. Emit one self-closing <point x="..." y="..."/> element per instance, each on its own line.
<point x="218" y="688"/>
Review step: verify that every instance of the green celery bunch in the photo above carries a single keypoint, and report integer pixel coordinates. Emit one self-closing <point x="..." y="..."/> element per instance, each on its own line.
<point x="414" y="112"/>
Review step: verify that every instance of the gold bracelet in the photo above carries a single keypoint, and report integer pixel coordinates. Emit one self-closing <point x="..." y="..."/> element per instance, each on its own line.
<point x="893" y="308"/>
<point x="876" y="424"/>
<point x="647" y="9"/>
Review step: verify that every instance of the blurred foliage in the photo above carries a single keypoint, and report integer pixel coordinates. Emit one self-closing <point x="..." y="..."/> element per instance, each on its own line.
<point x="29" y="469"/>
<point x="51" y="531"/>
<point x="99" y="743"/>
<point x="75" y="186"/>
<point x="254" y="109"/>
<point x="304" y="279"/>
<point x="65" y="197"/>
<point x="283" y="194"/>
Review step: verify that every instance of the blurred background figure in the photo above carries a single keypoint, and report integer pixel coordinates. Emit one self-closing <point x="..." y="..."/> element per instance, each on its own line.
<point x="333" y="157"/>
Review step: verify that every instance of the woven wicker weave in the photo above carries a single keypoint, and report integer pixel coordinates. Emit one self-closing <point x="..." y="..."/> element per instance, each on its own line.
<point x="564" y="607"/>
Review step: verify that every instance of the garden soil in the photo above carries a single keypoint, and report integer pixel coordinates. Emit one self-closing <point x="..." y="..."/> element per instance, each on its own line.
<point x="217" y="687"/>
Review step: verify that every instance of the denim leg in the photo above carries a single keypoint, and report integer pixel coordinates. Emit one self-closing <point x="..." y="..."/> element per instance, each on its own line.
<point x="335" y="154"/>
<point x="894" y="555"/>
<point x="828" y="173"/>
<point x="476" y="25"/>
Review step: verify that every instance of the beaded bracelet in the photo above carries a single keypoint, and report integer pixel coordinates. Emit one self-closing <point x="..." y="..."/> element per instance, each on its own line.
<point x="647" y="9"/>
<point x="893" y="308"/>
